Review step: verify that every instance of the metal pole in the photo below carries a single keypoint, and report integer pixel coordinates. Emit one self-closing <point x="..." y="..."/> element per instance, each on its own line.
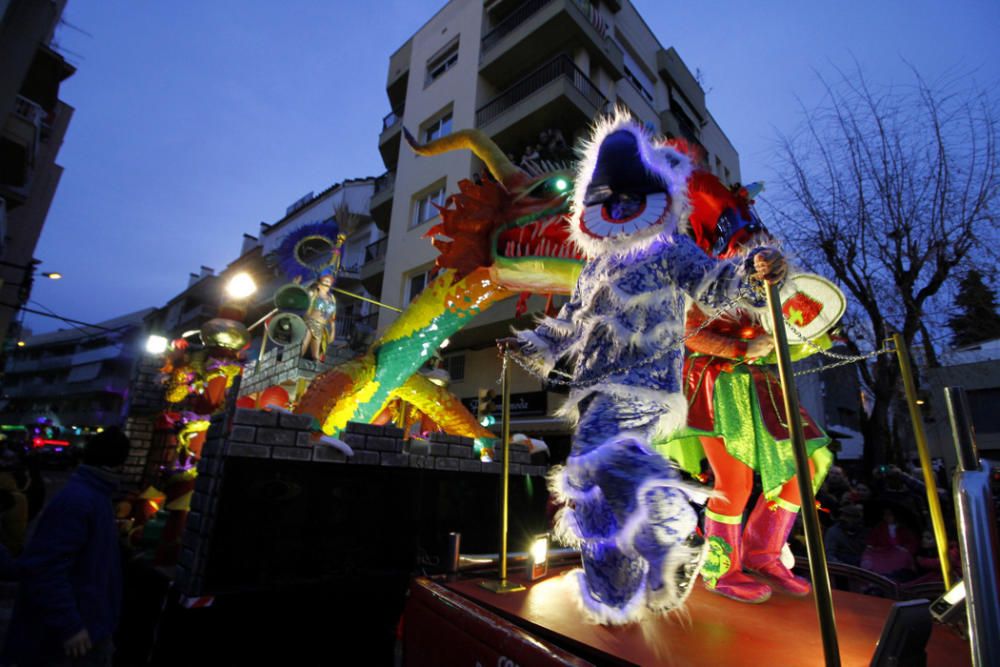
<point x="261" y="320"/>
<point x="364" y="298"/>
<point x="263" y="347"/>
<point x="933" y="502"/>
<point x="454" y="552"/>
<point x="504" y="586"/>
<point x="814" y="537"/>
<point x="505" y="434"/>
<point x="977" y="535"/>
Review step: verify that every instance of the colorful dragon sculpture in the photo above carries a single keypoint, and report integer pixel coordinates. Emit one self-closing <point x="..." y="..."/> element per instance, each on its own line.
<point x="499" y="237"/>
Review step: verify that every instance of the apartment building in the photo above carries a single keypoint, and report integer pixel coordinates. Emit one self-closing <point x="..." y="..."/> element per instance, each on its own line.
<point x="975" y="368"/>
<point x="33" y="122"/>
<point x="205" y="291"/>
<point x="73" y="377"/>
<point x="531" y="74"/>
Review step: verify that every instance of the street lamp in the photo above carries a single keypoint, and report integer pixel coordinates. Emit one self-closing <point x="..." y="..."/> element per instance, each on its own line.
<point x="52" y="275"/>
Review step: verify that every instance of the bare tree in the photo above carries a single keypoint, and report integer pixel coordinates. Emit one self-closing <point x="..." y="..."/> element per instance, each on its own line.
<point x="890" y="190"/>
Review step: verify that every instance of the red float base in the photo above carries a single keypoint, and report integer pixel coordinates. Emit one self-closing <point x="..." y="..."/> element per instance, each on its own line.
<point x="460" y="623"/>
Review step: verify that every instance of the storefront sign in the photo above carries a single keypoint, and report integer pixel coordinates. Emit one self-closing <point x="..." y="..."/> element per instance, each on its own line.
<point x="526" y="404"/>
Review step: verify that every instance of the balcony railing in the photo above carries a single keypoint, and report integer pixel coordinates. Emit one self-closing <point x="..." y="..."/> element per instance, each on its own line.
<point x="561" y="65"/>
<point x="392" y="119"/>
<point x="29" y="111"/>
<point x="688" y="129"/>
<point x="516" y="18"/>
<point x="348" y="325"/>
<point x="350" y="272"/>
<point x="377" y="250"/>
<point x="384" y="182"/>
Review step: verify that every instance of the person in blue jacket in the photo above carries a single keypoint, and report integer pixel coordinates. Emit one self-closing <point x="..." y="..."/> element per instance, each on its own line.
<point x="70" y="592"/>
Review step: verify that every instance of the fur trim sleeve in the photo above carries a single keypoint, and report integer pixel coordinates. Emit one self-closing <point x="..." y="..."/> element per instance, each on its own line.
<point x="539" y="350"/>
<point x="712" y="283"/>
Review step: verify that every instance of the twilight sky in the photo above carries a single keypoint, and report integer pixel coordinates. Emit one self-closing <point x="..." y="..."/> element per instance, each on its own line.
<point x="195" y="121"/>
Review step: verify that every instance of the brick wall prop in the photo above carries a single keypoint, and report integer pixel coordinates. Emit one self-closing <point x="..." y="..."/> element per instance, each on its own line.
<point x="286" y="439"/>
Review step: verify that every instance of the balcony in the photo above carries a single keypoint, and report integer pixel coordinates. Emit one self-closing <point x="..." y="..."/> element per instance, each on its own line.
<point x="349" y="274"/>
<point x="388" y="140"/>
<point x="381" y="204"/>
<point x="539" y="29"/>
<point x="678" y="76"/>
<point x="60" y="388"/>
<point x="399" y="74"/>
<point x="357" y="330"/>
<point x="677" y="125"/>
<point x="19" y="141"/>
<point x="374" y="267"/>
<point x="557" y="94"/>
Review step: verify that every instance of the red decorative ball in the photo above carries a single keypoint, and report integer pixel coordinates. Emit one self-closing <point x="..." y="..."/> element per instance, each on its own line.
<point x="274" y="395"/>
<point x="246" y="402"/>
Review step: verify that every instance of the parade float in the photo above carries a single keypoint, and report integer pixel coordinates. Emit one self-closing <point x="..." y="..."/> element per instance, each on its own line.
<point x="331" y="487"/>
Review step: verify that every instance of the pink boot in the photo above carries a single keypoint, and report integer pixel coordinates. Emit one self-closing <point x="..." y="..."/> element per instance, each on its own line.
<point x="766" y="533"/>
<point x="722" y="572"/>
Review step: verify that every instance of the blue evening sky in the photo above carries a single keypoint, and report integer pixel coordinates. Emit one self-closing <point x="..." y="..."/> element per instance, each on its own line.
<point x="195" y="121"/>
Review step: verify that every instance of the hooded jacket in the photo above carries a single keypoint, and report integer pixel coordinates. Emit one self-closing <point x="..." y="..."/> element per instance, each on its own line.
<point x="70" y="572"/>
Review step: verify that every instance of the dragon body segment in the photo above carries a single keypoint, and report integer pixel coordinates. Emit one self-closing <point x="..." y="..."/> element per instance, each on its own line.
<point x="496" y="238"/>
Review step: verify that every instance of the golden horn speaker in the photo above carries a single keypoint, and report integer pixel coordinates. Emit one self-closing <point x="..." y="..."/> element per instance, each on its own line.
<point x="286" y="329"/>
<point x="292" y="297"/>
<point x="225" y="333"/>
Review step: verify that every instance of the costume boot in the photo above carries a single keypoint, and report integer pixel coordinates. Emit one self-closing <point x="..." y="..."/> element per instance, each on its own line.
<point x="722" y="571"/>
<point x="766" y="533"/>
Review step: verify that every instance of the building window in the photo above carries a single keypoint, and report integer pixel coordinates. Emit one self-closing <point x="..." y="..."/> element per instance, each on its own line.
<point x="438" y="128"/>
<point x="455" y="365"/>
<point x="442" y="62"/>
<point x="423" y="207"/>
<point x="415" y="284"/>
<point x="637" y="83"/>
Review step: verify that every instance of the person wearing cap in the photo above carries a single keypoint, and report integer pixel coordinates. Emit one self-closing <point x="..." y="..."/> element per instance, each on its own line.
<point x="70" y="574"/>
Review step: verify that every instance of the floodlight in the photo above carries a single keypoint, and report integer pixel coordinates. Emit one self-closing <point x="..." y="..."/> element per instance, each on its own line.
<point x="156" y="344"/>
<point x="241" y="286"/>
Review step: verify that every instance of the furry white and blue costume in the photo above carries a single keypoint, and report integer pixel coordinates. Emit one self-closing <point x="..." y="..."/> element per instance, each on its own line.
<point x="626" y="507"/>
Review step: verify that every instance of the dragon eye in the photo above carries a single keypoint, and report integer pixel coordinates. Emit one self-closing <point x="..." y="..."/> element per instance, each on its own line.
<point x="623" y="205"/>
<point x="625" y="213"/>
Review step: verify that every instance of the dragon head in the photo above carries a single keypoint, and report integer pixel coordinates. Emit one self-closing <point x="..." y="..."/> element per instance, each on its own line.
<point x="630" y="189"/>
<point x="514" y="223"/>
<point x="723" y="222"/>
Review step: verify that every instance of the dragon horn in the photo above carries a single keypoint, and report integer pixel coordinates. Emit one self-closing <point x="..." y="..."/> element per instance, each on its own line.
<point x="476" y="141"/>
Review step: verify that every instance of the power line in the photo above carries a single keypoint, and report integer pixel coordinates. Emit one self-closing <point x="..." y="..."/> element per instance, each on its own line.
<point x="67" y="320"/>
<point x="56" y="315"/>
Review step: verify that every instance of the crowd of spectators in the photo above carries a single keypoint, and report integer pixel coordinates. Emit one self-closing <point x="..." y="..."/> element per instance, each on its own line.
<point x="551" y="147"/>
<point x="884" y="527"/>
